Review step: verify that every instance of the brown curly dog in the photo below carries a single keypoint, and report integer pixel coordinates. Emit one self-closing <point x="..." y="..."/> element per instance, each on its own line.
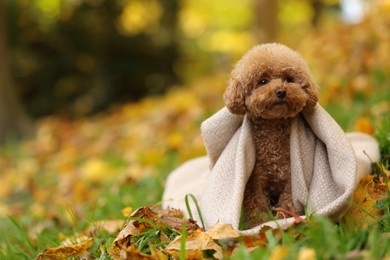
<point x="271" y="84"/>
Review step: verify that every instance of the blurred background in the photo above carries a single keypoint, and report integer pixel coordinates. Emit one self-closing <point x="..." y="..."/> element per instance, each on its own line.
<point x="108" y="95"/>
<point x="79" y="57"/>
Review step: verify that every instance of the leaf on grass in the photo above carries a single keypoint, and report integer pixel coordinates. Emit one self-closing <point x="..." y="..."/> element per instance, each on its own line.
<point x="132" y="253"/>
<point x="126" y="212"/>
<point x="196" y="242"/>
<point x="157" y="254"/>
<point x="260" y="239"/>
<point x="145" y="213"/>
<point x="279" y="253"/>
<point x="177" y="222"/>
<point x="222" y="231"/>
<point x="63" y="252"/>
<point x="377" y="191"/>
<point x="123" y="240"/>
<point x="76" y="239"/>
<point x="306" y="253"/>
<point x="364" y="124"/>
<point x="142" y="221"/>
<point x="189" y="254"/>
<point x="366" y="195"/>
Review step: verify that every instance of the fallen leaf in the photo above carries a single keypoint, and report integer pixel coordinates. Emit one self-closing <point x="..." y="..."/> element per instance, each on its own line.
<point x="377" y="191"/>
<point x="306" y="254"/>
<point x="362" y="211"/>
<point x="364" y="124"/>
<point x="76" y="239"/>
<point x="279" y="253"/>
<point x="132" y="253"/>
<point x="222" y="231"/>
<point x="95" y="169"/>
<point x="195" y="241"/>
<point x="123" y="239"/>
<point x="258" y="240"/>
<point x="177" y="222"/>
<point x="189" y="254"/>
<point x="157" y="254"/>
<point x="63" y="252"/>
<point x="127" y="211"/>
<point x="145" y="213"/>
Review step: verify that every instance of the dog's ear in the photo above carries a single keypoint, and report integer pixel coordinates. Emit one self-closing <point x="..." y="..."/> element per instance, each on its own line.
<point x="234" y="97"/>
<point x="311" y="90"/>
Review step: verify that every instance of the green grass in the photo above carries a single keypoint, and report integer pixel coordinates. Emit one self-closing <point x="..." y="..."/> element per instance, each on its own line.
<point x="329" y="240"/>
<point x="383" y="137"/>
<point x="16" y="241"/>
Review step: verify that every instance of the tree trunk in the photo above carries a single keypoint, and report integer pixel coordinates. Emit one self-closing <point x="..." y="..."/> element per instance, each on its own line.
<point x="13" y="120"/>
<point x="265" y="20"/>
<point x="317" y="7"/>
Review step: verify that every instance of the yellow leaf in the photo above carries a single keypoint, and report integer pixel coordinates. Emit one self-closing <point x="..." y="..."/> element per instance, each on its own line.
<point x="195" y="241"/>
<point x="127" y="211"/>
<point x="279" y="253"/>
<point x="95" y="169"/>
<point x="189" y="254"/>
<point x="306" y="254"/>
<point x="63" y="252"/>
<point x="222" y="231"/>
<point x="157" y="254"/>
<point x="123" y="239"/>
<point x="133" y="253"/>
<point x="363" y="124"/>
<point x="362" y="211"/>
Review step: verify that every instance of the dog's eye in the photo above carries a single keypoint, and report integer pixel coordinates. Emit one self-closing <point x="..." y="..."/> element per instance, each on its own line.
<point x="263" y="82"/>
<point x="289" y="80"/>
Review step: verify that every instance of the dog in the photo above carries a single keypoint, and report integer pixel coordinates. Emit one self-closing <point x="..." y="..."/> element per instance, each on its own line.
<point x="271" y="84"/>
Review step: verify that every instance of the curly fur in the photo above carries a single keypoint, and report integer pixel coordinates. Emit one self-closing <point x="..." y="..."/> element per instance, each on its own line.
<point x="271" y="84"/>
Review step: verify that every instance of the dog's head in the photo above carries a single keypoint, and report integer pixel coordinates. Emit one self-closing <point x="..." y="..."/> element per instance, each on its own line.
<point x="271" y="81"/>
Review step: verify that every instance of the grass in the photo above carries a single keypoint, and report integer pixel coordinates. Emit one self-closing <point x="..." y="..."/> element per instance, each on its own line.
<point x="17" y="242"/>
<point x="328" y="240"/>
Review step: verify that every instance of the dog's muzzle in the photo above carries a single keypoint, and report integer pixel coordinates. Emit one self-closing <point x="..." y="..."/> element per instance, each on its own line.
<point x="281" y="93"/>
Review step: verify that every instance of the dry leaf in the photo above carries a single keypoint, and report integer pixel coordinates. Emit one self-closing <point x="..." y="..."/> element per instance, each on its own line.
<point x="377" y="191"/>
<point x="279" y="253"/>
<point x="176" y="222"/>
<point x="362" y="211"/>
<point x="257" y="240"/>
<point x="364" y="124"/>
<point x="157" y="254"/>
<point x="63" y="252"/>
<point x="306" y="254"/>
<point x="222" y="231"/>
<point x="189" y="254"/>
<point x="127" y="211"/>
<point x="123" y="239"/>
<point x="145" y="213"/>
<point x="195" y="241"/>
<point x="132" y="253"/>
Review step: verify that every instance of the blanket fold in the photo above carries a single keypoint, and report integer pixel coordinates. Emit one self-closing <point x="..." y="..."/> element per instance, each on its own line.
<point x="323" y="168"/>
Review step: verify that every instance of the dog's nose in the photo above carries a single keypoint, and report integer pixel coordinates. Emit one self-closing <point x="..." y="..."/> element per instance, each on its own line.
<point x="280" y="93"/>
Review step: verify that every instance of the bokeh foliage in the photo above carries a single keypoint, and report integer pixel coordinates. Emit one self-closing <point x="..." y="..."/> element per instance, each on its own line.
<point x="78" y="57"/>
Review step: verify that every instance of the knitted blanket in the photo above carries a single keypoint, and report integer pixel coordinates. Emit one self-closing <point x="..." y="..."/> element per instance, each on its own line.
<point x="324" y="168"/>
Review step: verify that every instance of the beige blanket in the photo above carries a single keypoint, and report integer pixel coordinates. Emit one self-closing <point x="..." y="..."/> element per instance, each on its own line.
<point x="324" y="167"/>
